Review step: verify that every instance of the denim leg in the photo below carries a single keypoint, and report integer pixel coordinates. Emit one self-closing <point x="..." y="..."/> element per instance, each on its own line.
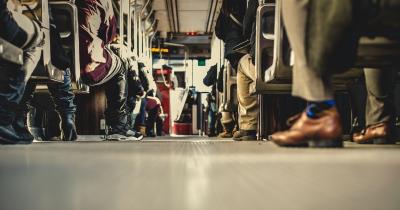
<point x="62" y="95"/>
<point x="141" y="118"/>
<point x="12" y="87"/>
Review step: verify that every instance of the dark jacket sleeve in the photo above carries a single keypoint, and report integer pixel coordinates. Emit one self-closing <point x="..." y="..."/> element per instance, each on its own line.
<point x="250" y="18"/>
<point x="211" y="77"/>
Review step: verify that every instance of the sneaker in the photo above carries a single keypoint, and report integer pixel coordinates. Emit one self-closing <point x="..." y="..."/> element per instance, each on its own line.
<point x="116" y="134"/>
<point x="245" y="135"/>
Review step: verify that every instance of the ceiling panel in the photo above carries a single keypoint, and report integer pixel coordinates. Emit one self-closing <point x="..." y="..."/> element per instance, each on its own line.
<point x="192" y="15"/>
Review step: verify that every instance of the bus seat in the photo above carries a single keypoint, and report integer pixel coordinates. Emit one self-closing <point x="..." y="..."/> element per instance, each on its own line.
<point x="229" y="90"/>
<point x="276" y="78"/>
<point x="46" y="71"/>
<point x="65" y="15"/>
<point x="10" y="53"/>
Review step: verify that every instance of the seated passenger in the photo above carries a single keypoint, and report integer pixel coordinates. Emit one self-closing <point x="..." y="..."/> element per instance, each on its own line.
<point x="210" y="80"/>
<point x="61" y="94"/>
<point x="248" y="104"/>
<point x="101" y="66"/>
<point x="26" y="34"/>
<point x="153" y="109"/>
<point x="319" y="125"/>
<point x="380" y="107"/>
<point x="229" y="29"/>
<point x="150" y="88"/>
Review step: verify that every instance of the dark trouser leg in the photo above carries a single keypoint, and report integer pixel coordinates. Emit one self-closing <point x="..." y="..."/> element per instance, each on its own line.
<point x="12" y="86"/>
<point x="116" y="93"/>
<point x="63" y="98"/>
<point x="141" y="118"/>
<point x="159" y="125"/>
<point x="22" y="32"/>
<point x="131" y="104"/>
<point x="211" y="119"/>
<point x="152" y="116"/>
<point x="20" y="123"/>
<point x="379" y="83"/>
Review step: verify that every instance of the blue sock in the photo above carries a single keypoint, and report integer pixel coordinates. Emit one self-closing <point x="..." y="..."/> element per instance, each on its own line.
<point x="314" y="108"/>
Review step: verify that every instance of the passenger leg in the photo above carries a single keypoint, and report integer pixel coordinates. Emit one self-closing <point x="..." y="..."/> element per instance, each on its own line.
<point x="63" y="98"/>
<point x="151" y="119"/>
<point x="379" y="109"/>
<point x="116" y="114"/>
<point x="319" y="125"/>
<point x="24" y="33"/>
<point x="228" y="125"/>
<point x="140" y="120"/>
<point x="248" y="104"/>
<point x="20" y="123"/>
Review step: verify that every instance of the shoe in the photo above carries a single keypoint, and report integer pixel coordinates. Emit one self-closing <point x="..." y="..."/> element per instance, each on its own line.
<point x="151" y="133"/>
<point x="225" y="135"/>
<point x="324" y="131"/>
<point x="245" y="135"/>
<point x="141" y="129"/>
<point x="68" y="129"/>
<point x="118" y="134"/>
<point x="8" y="135"/>
<point x="375" y="134"/>
<point x="228" y="130"/>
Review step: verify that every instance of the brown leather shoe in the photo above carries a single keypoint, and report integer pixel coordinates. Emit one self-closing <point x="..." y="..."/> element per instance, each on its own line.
<point x="375" y="134"/>
<point x="324" y="131"/>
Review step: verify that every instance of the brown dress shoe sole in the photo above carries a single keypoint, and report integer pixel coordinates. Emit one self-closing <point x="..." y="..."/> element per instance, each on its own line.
<point x="377" y="141"/>
<point x="382" y="141"/>
<point x="338" y="143"/>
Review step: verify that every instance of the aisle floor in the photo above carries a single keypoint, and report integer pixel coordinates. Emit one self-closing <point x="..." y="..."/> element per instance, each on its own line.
<point x="197" y="173"/>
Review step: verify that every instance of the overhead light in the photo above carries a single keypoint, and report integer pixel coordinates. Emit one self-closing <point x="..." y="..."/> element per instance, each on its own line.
<point x="191" y="34"/>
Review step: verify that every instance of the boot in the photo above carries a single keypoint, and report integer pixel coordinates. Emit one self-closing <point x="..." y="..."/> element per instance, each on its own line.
<point x="68" y="129"/>
<point x="245" y="135"/>
<point x="8" y="135"/>
<point x="228" y="130"/>
<point x="20" y="125"/>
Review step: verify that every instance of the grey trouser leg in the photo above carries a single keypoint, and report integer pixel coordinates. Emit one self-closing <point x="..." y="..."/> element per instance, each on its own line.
<point x="380" y="83"/>
<point x="116" y="93"/>
<point x="307" y="84"/>
<point x="248" y="104"/>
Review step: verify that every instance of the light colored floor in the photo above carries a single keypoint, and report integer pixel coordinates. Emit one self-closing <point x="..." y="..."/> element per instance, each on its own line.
<point x="197" y="173"/>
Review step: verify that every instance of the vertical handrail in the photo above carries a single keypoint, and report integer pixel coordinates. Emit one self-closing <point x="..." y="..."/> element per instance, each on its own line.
<point x="141" y="31"/>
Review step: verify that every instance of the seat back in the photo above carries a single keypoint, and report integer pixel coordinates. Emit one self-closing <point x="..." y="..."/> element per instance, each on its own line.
<point x="271" y="39"/>
<point x="10" y="53"/>
<point x="65" y="15"/>
<point x="46" y="72"/>
<point x="229" y="90"/>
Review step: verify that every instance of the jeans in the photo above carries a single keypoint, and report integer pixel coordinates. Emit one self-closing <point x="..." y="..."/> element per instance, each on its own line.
<point x="141" y="118"/>
<point x="61" y="93"/>
<point x="13" y="77"/>
<point x="116" y="93"/>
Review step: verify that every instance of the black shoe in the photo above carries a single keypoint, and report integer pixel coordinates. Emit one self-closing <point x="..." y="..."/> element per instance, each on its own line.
<point x="151" y="134"/>
<point x="245" y="135"/>
<point x="68" y="129"/>
<point x="8" y="135"/>
<point x="123" y="134"/>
